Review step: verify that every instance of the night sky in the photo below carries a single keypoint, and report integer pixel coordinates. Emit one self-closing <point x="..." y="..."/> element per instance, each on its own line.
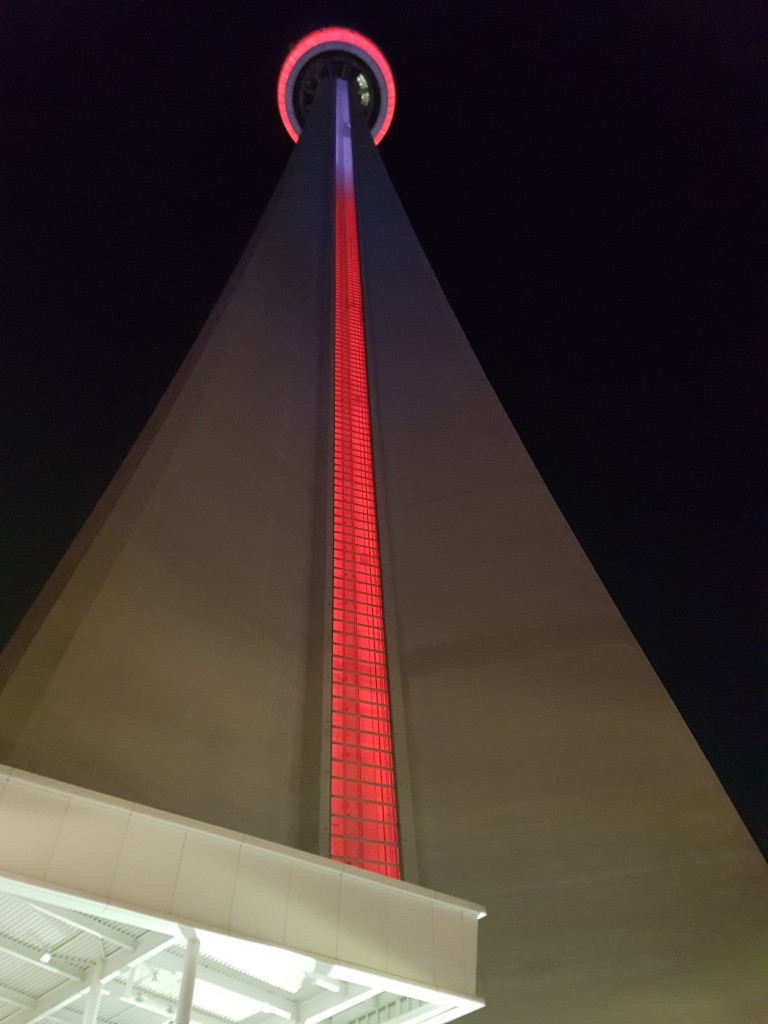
<point x="589" y="183"/>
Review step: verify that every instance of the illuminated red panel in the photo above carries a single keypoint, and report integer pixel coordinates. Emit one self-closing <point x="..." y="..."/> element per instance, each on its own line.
<point x="341" y="36"/>
<point x="364" y="829"/>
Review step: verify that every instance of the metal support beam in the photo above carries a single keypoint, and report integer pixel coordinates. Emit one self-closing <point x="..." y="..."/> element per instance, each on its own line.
<point x="101" y="929"/>
<point x="236" y="981"/>
<point x="62" y="996"/>
<point x="163" y="1007"/>
<point x="93" y="998"/>
<point x="30" y="956"/>
<point x="362" y="996"/>
<point x="10" y="995"/>
<point x="407" y="1011"/>
<point x="325" y="1000"/>
<point x="187" y="990"/>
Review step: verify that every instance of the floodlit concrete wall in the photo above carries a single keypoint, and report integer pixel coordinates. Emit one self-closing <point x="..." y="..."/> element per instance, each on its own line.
<point x="168" y="661"/>
<point x="552" y="778"/>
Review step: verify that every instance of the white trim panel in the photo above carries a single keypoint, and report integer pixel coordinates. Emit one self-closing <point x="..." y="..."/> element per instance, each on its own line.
<point x="141" y="865"/>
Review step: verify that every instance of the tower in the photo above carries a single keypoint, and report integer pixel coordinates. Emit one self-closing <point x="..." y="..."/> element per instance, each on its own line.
<point x="214" y="647"/>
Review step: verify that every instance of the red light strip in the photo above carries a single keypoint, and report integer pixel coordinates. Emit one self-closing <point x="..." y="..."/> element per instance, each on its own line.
<point x="364" y="829"/>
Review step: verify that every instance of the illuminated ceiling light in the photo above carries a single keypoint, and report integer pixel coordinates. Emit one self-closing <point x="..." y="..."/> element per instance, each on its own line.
<point x="279" y="967"/>
<point x="224" y="1002"/>
<point x="329" y="985"/>
<point x="446" y="1001"/>
<point x="331" y="1011"/>
<point x="45" y="958"/>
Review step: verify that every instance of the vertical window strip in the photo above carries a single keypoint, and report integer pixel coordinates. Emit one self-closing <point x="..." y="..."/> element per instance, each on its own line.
<point x="364" y="828"/>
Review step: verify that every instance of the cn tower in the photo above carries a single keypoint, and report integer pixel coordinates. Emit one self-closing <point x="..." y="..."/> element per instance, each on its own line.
<point x="326" y="678"/>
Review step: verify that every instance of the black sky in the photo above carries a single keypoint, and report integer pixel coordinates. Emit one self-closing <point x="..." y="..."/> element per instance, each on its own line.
<point x="589" y="183"/>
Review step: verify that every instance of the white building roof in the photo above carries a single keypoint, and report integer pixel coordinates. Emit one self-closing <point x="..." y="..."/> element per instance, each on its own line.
<point x="101" y="895"/>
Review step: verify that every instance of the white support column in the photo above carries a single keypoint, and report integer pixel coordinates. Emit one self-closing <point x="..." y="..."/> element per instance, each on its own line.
<point x="187" y="990"/>
<point x="93" y="998"/>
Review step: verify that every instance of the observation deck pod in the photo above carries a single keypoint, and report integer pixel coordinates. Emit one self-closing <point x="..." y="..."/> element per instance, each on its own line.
<point x="336" y="53"/>
<point x="107" y="907"/>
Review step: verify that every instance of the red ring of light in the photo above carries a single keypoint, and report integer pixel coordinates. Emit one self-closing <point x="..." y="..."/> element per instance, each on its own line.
<point x="337" y="35"/>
